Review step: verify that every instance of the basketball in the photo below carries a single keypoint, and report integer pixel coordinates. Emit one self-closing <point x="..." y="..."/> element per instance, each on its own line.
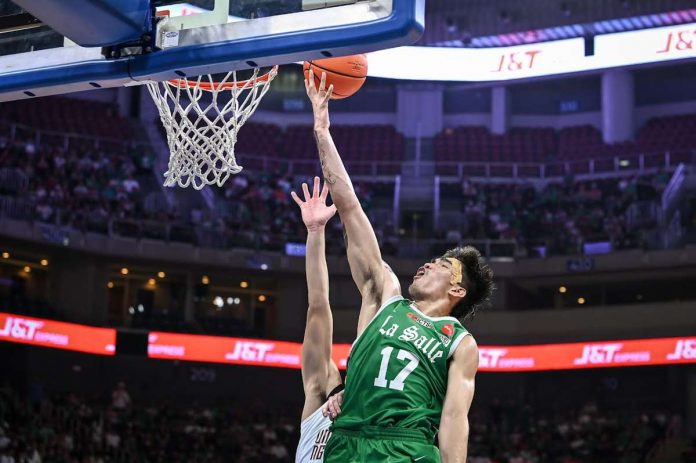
<point x="346" y="73"/>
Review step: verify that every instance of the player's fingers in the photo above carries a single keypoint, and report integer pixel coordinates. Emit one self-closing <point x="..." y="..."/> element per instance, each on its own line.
<point x="332" y="413"/>
<point x="325" y="191"/>
<point x="311" y="78"/>
<point x="305" y="189"/>
<point x="335" y="409"/>
<point x="296" y="198"/>
<point x="325" y="409"/>
<point x="329" y="92"/>
<point x="315" y="193"/>
<point x="322" y="84"/>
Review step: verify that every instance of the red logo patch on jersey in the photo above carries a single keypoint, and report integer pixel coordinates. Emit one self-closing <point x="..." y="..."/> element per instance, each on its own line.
<point x="448" y="329"/>
<point x="419" y="320"/>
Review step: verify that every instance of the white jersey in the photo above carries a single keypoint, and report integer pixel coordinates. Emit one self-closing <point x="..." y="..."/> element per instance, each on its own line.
<point x="314" y="434"/>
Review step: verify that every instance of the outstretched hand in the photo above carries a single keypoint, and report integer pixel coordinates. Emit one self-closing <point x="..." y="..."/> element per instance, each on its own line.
<point x="315" y="212"/>
<point x="320" y="99"/>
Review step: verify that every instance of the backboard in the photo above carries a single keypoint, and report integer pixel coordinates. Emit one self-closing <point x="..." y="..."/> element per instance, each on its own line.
<point x="50" y="48"/>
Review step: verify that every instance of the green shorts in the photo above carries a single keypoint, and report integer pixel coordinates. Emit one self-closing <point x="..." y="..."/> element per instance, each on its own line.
<point x="375" y="444"/>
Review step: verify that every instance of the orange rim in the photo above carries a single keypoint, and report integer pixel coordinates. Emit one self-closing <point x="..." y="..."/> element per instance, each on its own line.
<point x="215" y="86"/>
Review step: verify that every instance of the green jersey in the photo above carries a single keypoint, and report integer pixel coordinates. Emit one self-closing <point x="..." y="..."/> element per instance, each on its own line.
<point x="397" y="373"/>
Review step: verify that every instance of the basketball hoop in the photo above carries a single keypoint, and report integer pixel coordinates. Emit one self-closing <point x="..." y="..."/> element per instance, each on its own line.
<point x="202" y="132"/>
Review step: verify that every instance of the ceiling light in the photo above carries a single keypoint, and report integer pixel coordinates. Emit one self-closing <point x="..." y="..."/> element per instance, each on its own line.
<point x="161" y="274"/>
<point x="124" y="271"/>
<point x="244" y="284"/>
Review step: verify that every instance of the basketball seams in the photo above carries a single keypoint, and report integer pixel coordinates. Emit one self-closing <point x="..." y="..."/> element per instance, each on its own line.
<point x="312" y="63"/>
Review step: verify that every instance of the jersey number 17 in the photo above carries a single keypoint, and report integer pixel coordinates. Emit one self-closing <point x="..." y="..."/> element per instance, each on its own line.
<point x="398" y="382"/>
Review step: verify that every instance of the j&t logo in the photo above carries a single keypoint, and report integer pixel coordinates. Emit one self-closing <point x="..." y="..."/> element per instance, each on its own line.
<point x="598" y="354"/>
<point x="488" y="358"/>
<point x="20" y="328"/>
<point x="250" y="351"/>
<point x="679" y="41"/>
<point x="685" y="349"/>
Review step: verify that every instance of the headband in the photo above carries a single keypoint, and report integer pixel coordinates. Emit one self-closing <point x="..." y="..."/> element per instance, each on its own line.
<point x="456" y="270"/>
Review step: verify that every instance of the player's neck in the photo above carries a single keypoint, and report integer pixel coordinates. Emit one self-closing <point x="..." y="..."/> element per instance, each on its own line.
<point x="433" y="308"/>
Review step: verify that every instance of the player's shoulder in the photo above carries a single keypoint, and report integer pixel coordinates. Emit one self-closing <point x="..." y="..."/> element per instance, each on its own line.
<point x="393" y="303"/>
<point x="465" y="351"/>
<point x="461" y="337"/>
<point x="395" y="299"/>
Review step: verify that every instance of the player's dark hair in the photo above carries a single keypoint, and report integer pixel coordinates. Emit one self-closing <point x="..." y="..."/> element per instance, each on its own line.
<point x="477" y="279"/>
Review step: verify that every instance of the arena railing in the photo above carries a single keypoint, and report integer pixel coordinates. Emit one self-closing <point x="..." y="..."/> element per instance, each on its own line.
<point x="674" y="187"/>
<point x="552" y="170"/>
<point x="65" y="140"/>
<point x="364" y="170"/>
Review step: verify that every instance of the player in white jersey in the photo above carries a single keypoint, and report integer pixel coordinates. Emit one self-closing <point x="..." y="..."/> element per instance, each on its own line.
<point x="320" y="376"/>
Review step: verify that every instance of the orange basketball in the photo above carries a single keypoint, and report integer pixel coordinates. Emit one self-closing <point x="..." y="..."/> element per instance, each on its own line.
<point x="346" y="73"/>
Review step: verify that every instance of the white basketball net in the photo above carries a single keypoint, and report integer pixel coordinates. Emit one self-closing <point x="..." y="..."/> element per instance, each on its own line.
<point x="202" y="131"/>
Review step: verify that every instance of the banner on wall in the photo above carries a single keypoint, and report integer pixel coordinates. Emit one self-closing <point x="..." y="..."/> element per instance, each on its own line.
<point x="57" y="335"/>
<point x="283" y="354"/>
<point x="661" y="351"/>
<point x="535" y="60"/>
<point x="239" y="351"/>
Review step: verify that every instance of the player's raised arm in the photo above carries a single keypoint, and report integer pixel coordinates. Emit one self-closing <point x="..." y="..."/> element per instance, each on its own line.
<point x="454" y="424"/>
<point x="316" y="348"/>
<point x="364" y="256"/>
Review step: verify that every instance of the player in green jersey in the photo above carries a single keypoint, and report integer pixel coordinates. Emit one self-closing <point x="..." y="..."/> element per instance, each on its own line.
<point x="412" y="367"/>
